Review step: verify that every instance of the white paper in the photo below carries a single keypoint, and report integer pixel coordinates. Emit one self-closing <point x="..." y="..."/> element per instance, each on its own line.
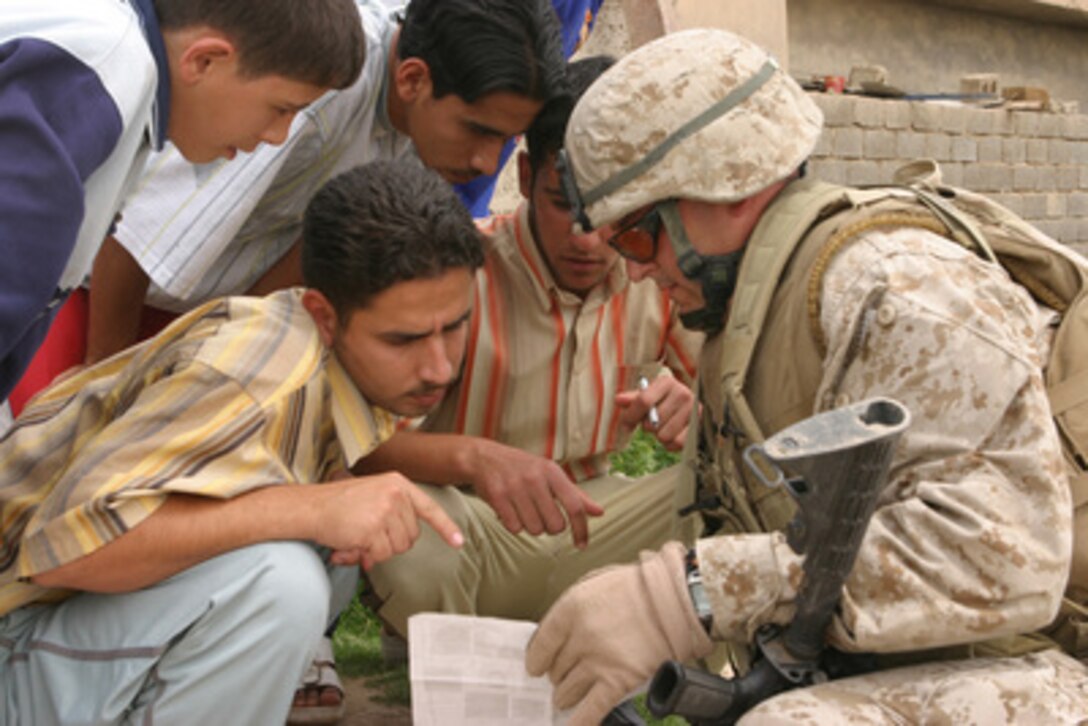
<point x="471" y="670"/>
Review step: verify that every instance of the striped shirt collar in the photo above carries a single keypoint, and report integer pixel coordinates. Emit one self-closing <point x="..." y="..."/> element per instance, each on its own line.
<point x="545" y="288"/>
<point x="360" y="426"/>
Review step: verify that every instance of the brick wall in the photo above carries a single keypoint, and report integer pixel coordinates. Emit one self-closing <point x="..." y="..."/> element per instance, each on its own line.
<point x="1034" y="163"/>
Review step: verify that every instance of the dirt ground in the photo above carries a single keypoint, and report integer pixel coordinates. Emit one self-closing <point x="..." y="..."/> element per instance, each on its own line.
<point x="362" y="710"/>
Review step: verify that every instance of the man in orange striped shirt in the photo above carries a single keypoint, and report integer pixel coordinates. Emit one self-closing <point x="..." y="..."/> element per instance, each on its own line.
<point x="558" y="343"/>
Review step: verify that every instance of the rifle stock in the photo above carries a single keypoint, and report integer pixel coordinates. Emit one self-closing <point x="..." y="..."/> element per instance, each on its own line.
<point x="841" y="460"/>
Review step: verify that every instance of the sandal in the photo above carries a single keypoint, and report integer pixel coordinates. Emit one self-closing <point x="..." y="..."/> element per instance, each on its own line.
<point x="319" y="680"/>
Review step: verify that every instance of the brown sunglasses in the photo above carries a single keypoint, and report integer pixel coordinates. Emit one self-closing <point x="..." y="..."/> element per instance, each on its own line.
<point x="637" y="241"/>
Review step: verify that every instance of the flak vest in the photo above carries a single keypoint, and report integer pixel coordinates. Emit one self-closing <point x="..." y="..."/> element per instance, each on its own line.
<point x="774" y="320"/>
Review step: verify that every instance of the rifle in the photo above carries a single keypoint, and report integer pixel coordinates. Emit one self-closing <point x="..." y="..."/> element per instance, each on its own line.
<point x="841" y="459"/>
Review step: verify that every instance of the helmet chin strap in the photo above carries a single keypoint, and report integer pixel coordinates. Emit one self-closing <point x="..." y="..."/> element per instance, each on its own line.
<point x="716" y="274"/>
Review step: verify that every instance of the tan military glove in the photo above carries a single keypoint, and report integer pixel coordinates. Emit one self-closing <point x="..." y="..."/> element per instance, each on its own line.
<point x="610" y="631"/>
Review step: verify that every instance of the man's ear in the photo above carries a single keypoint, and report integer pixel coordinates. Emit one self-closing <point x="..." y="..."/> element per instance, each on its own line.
<point x="525" y="174"/>
<point x="323" y="314"/>
<point x="201" y="54"/>
<point x="412" y="79"/>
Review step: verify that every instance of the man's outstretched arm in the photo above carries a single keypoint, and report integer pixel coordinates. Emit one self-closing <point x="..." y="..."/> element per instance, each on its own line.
<point x="363" y="520"/>
<point x="527" y="492"/>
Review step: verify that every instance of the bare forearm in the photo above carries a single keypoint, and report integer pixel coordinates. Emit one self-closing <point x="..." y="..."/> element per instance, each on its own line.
<point x="185" y="531"/>
<point x="425" y="457"/>
<point x="528" y="492"/>
<point x="118" y="288"/>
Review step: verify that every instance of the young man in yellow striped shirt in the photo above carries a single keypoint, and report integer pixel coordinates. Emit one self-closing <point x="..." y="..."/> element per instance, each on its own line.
<point x="559" y="339"/>
<point x="164" y="555"/>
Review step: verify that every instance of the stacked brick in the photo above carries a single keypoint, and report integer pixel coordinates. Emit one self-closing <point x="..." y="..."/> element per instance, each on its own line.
<point x="1035" y="163"/>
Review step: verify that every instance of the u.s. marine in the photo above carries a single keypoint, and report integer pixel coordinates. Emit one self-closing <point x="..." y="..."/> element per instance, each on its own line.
<point x="971" y="540"/>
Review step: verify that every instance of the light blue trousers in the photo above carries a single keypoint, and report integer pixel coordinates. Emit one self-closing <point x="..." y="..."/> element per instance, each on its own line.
<point x="223" y="642"/>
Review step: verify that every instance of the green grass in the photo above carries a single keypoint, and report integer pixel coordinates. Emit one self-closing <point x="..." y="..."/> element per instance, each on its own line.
<point x="358" y="650"/>
<point x="644" y="455"/>
<point x="356" y="642"/>
<point x="357" y="647"/>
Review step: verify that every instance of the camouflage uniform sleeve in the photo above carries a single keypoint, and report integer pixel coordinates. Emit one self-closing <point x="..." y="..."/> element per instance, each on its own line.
<point x="972" y="536"/>
<point x="751" y="579"/>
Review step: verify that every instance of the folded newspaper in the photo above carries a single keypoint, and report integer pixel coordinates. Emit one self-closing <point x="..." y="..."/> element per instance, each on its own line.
<point x="471" y="670"/>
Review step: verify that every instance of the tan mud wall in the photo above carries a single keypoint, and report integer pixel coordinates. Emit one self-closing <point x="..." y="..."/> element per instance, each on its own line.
<point x="927" y="47"/>
<point x="1034" y="163"/>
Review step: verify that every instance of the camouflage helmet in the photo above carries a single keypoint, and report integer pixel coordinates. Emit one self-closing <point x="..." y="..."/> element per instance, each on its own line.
<point x="699" y="114"/>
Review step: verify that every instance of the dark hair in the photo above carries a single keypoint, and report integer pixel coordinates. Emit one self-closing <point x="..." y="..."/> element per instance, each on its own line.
<point x="477" y="47"/>
<point x="320" y="42"/>
<point x="382" y="223"/>
<point x="544" y="137"/>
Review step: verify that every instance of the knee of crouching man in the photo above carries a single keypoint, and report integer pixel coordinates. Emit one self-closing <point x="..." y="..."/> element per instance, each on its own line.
<point x="290" y="586"/>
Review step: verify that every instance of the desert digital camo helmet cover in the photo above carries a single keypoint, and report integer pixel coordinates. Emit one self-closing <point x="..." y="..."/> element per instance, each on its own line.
<point x="699" y="114"/>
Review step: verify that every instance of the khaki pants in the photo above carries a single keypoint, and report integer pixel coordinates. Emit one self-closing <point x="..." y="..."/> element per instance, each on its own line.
<point x="499" y="574"/>
<point x="1041" y="688"/>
